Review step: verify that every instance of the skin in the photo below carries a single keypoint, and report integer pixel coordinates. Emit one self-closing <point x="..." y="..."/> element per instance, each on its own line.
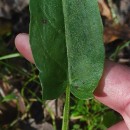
<point x="113" y="89"/>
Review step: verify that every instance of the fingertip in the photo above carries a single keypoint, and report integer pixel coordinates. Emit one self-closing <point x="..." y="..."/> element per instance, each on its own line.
<point x="23" y="46"/>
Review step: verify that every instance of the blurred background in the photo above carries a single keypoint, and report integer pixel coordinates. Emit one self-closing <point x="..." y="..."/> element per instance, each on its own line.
<point x="21" y="107"/>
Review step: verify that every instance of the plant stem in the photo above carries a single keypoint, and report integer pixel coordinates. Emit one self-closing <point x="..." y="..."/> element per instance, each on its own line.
<point x="65" y="122"/>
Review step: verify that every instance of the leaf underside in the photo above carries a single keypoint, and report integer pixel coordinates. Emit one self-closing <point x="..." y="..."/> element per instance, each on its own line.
<point x="67" y="44"/>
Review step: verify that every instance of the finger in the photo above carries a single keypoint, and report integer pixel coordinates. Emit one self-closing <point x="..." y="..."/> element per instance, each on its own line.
<point x="23" y="46"/>
<point x="119" y="126"/>
<point x="114" y="89"/>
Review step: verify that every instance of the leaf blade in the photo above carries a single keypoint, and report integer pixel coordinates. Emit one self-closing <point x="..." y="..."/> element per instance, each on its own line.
<point x="83" y="28"/>
<point x="47" y="36"/>
<point x="67" y="54"/>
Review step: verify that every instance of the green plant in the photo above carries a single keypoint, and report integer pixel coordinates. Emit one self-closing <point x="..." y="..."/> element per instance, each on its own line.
<point x="67" y="44"/>
<point x="89" y="113"/>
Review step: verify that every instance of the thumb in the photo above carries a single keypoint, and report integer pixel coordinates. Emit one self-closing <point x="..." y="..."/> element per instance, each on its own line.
<point x="114" y="89"/>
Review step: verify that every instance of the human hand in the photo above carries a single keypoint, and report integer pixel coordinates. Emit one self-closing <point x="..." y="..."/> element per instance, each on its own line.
<point x="113" y="89"/>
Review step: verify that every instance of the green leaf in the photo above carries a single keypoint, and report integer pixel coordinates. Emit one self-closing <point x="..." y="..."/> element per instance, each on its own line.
<point x="111" y="118"/>
<point x="67" y="43"/>
<point x="10" y="56"/>
<point x="47" y="40"/>
<point x="9" y="97"/>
